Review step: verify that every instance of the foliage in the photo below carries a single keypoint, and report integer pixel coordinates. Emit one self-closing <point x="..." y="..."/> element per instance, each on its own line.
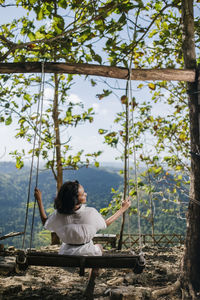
<point x="124" y="33"/>
<point x="19" y="101"/>
<point x="99" y="184"/>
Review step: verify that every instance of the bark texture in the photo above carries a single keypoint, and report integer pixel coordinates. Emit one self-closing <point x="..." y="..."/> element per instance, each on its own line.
<point x="191" y="260"/>
<point x="57" y="135"/>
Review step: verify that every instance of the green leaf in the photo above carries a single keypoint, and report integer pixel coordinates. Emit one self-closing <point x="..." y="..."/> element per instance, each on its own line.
<point x="98" y="58"/>
<point x="93" y="82"/>
<point x="40" y="14"/>
<point x="140" y="85"/>
<point x="27" y="97"/>
<point x="19" y="163"/>
<point x="152" y="33"/>
<point x="102" y="131"/>
<point x="152" y="86"/>
<point x="31" y="36"/>
<point x="63" y="3"/>
<point x="8" y="120"/>
<point x="96" y="164"/>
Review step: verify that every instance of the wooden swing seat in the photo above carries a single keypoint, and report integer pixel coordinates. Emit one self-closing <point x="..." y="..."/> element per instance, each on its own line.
<point x="134" y="262"/>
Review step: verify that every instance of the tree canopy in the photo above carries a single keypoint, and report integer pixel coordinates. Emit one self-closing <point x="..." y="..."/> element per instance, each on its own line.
<point x="117" y="33"/>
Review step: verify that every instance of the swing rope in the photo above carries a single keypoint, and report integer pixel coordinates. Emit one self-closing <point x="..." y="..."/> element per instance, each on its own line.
<point x="41" y="92"/>
<point x="39" y="144"/>
<point x="130" y="96"/>
<point x="127" y="154"/>
<point x="135" y="171"/>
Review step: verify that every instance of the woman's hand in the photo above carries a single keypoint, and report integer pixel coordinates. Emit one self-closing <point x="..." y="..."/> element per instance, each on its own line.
<point x="126" y="203"/>
<point x="38" y="195"/>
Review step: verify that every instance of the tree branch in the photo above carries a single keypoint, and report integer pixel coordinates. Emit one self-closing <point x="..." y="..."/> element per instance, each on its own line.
<point x="101" y="11"/>
<point x="165" y="291"/>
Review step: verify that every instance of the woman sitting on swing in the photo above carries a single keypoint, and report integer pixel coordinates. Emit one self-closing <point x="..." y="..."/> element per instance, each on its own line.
<point x="76" y="224"/>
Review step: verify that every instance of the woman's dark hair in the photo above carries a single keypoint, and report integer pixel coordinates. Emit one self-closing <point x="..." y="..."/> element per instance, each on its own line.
<point x="67" y="197"/>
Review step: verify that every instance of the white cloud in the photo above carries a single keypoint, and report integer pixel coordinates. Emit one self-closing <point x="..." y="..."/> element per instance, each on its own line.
<point x="97" y="109"/>
<point x="75" y="99"/>
<point x="104" y="112"/>
<point x="48" y="94"/>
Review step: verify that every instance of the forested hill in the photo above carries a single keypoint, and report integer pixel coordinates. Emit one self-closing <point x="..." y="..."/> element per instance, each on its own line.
<point x="97" y="183"/>
<point x="14" y="190"/>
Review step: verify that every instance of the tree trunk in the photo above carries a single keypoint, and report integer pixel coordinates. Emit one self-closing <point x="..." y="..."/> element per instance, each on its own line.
<point x="59" y="176"/>
<point x="191" y="260"/>
<point x="57" y="135"/>
<point x="151" y="207"/>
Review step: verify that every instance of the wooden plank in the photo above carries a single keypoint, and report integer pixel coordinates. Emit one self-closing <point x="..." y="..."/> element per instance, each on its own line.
<point x="98" y="70"/>
<point x="50" y="259"/>
<point x="11" y="234"/>
<point x="106" y="239"/>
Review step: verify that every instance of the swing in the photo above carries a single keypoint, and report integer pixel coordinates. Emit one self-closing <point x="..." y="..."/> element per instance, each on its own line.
<point x="134" y="262"/>
<point x="33" y="258"/>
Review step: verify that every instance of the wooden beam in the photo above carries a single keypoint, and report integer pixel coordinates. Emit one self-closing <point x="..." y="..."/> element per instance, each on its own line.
<point x="97" y="70"/>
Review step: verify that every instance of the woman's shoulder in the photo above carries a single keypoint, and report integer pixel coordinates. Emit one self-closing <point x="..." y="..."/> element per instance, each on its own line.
<point x="89" y="209"/>
<point x="86" y="211"/>
<point x="54" y="220"/>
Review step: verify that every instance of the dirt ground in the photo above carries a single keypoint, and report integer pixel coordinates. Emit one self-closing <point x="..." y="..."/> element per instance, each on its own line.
<point x="162" y="269"/>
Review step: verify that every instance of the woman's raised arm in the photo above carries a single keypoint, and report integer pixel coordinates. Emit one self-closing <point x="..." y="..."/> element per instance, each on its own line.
<point x="125" y="205"/>
<point x="38" y="197"/>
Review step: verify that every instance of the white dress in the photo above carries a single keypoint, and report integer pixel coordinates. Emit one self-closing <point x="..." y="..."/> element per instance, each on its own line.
<point x="77" y="230"/>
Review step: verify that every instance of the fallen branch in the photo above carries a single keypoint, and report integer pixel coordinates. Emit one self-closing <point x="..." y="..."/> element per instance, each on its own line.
<point x="165" y="291"/>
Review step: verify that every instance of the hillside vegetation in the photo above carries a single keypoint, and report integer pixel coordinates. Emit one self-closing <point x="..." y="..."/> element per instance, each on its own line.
<point x="97" y="183"/>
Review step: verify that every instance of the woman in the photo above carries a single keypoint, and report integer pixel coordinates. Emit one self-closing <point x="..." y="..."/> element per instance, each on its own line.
<point x="76" y="224"/>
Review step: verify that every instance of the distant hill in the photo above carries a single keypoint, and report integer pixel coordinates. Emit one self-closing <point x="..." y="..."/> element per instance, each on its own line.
<point x="10" y="168"/>
<point x="97" y="183"/>
<point x="14" y="190"/>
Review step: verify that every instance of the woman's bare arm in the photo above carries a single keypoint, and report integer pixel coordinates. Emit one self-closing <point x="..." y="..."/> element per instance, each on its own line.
<point x="38" y="197"/>
<point x="125" y="205"/>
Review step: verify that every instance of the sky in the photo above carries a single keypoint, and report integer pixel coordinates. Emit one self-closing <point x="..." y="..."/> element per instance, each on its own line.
<point x="85" y="136"/>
